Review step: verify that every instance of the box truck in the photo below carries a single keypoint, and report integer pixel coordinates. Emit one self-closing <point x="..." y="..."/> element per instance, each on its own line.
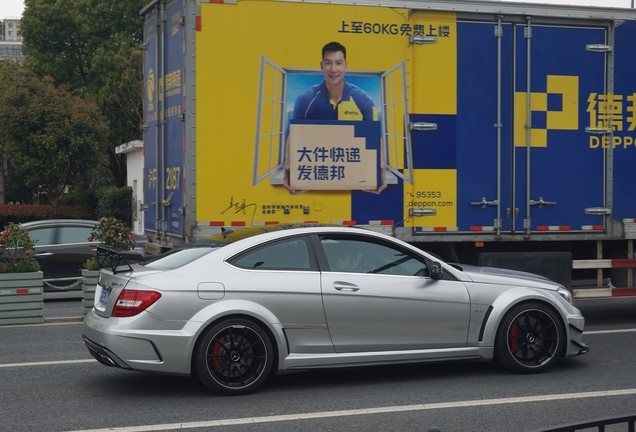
<point x="489" y="132"/>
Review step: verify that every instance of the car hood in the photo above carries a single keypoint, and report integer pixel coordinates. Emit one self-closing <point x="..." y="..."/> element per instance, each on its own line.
<point x="494" y="275"/>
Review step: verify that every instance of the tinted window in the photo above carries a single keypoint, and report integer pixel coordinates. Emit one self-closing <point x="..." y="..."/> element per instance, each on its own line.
<point x="74" y="235"/>
<point x="42" y="236"/>
<point x="178" y="257"/>
<point x="346" y="254"/>
<point x="283" y="255"/>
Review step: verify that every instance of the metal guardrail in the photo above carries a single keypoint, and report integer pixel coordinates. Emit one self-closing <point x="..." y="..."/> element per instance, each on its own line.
<point x="76" y="282"/>
<point x="599" y="423"/>
<point x="599" y="264"/>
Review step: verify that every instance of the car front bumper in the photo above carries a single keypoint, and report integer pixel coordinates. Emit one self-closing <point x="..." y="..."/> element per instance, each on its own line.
<point x="576" y="346"/>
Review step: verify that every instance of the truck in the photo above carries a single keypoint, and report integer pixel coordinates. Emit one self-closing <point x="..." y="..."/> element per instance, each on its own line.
<point x="502" y="134"/>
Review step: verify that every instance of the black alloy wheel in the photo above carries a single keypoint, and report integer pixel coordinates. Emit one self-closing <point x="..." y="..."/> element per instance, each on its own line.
<point x="529" y="338"/>
<point x="234" y="357"/>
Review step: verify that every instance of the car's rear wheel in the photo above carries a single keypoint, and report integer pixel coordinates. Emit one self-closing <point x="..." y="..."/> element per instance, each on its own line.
<point x="233" y="357"/>
<point x="529" y="338"/>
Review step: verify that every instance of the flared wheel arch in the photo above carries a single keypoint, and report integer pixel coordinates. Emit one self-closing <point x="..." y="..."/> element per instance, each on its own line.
<point x="533" y="302"/>
<point x="273" y="339"/>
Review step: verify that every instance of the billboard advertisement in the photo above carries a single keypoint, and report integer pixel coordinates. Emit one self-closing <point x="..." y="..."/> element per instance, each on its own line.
<point x="310" y="121"/>
<point x="343" y="117"/>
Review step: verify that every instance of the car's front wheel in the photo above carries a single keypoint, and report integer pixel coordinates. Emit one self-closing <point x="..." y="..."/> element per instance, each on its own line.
<point x="529" y="338"/>
<point x="233" y="357"/>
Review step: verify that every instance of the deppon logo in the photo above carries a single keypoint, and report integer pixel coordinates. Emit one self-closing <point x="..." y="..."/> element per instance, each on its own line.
<point x="150" y="88"/>
<point x="557" y="107"/>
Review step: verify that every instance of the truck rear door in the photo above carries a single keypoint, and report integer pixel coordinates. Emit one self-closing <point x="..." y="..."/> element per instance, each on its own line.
<point x="164" y="111"/>
<point x="528" y="172"/>
<point x="557" y="174"/>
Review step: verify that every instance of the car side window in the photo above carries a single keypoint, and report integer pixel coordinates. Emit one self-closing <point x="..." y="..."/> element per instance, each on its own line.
<point x="345" y="254"/>
<point x="42" y="236"/>
<point x="74" y="235"/>
<point x="290" y="254"/>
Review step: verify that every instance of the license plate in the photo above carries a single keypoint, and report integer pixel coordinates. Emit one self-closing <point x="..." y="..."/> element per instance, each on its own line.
<point x="103" y="297"/>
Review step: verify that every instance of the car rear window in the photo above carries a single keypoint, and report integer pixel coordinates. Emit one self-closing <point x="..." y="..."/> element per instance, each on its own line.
<point x="288" y="254"/>
<point x="178" y="257"/>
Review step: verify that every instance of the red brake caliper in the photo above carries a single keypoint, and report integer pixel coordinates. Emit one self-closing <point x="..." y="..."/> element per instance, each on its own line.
<point x="512" y="341"/>
<point x="216" y="350"/>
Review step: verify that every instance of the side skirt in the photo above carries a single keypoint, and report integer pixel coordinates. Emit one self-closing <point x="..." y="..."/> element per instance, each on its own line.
<point x="337" y="360"/>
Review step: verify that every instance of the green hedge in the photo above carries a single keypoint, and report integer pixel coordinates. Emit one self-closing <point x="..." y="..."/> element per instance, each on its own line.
<point x="20" y="213"/>
<point x="86" y="199"/>
<point x="93" y="204"/>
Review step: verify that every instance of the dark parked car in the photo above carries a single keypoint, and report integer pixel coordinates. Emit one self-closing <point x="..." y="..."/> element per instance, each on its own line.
<point x="62" y="247"/>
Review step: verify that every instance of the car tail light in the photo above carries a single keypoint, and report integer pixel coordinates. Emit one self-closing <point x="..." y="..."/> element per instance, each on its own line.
<point x="132" y="302"/>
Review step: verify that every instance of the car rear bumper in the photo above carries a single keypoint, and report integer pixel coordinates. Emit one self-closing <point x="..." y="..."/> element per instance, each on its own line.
<point x="127" y="343"/>
<point x="104" y="355"/>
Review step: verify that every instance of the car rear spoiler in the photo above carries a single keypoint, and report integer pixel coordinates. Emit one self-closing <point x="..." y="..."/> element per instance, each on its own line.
<point x="111" y="258"/>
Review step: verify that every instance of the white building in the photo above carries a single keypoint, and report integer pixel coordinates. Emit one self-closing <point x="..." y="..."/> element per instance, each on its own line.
<point x="10" y="40"/>
<point x="11" y="30"/>
<point x="134" y="174"/>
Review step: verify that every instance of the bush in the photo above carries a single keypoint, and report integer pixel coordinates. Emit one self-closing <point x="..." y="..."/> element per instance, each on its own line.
<point x="16" y="250"/>
<point x="116" y="203"/>
<point x="105" y="201"/>
<point x="113" y="233"/>
<point x="86" y="199"/>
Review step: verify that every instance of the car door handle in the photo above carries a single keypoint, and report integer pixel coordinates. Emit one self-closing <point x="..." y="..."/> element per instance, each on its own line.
<point x="345" y="286"/>
<point x="45" y="254"/>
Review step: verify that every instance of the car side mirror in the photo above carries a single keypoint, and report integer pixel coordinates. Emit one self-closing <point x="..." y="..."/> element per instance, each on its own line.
<point x="436" y="270"/>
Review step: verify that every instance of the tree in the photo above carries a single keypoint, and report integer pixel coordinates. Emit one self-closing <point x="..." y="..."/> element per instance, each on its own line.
<point x="117" y="76"/>
<point x="8" y="74"/>
<point x="53" y="138"/>
<point x="93" y="46"/>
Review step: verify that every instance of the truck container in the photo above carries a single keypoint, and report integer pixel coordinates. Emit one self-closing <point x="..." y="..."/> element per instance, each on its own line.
<point x="502" y="133"/>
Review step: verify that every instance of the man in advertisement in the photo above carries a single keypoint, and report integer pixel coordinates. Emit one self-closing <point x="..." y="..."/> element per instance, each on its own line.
<point x="333" y="99"/>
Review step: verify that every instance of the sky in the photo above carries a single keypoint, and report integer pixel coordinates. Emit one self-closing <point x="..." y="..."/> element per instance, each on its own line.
<point x="14" y="8"/>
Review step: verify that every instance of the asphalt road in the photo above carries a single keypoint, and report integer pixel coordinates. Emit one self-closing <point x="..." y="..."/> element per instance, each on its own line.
<point x="49" y="382"/>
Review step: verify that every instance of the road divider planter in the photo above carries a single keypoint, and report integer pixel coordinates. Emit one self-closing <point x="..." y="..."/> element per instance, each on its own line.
<point x="89" y="284"/>
<point x="21" y="298"/>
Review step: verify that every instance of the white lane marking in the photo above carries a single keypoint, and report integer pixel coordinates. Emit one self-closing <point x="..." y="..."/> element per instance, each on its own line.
<point x="47" y="363"/>
<point x="609" y="331"/>
<point x="364" y="411"/>
<point x="46" y="324"/>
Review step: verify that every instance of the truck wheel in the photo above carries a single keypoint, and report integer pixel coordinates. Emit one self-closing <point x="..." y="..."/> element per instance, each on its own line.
<point x="529" y="338"/>
<point x="234" y="357"/>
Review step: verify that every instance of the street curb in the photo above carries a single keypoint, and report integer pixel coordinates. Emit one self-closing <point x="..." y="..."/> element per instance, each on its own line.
<point x="63" y="296"/>
<point x="63" y="319"/>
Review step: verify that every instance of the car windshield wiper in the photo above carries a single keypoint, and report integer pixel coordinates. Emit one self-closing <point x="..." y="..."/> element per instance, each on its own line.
<point x="391" y="264"/>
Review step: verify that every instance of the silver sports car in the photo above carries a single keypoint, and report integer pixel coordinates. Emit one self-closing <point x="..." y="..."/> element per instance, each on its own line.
<point x="238" y="306"/>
